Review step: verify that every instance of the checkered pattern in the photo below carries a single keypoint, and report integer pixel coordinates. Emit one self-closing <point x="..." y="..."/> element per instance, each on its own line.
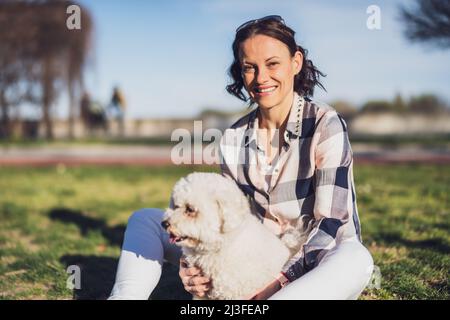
<point x="311" y="177"/>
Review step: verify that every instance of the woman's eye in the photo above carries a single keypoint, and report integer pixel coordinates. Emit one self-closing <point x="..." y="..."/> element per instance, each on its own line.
<point x="247" y="69"/>
<point x="273" y="64"/>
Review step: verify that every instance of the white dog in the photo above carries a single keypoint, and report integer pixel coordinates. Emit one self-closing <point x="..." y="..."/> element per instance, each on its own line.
<point x="210" y="218"/>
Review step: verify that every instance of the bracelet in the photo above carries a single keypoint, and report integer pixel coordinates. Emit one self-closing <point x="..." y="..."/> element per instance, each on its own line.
<point x="284" y="281"/>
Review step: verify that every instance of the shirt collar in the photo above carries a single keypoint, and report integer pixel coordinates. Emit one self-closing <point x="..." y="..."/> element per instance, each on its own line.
<point x="293" y="127"/>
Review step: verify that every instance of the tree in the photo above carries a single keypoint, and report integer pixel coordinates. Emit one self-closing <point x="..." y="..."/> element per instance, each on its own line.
<point x="428" y="22"/>
<point x="16" y="65"/>
<point x="377" y="106"/>
<point x="344" y="108"/>
<point x="398" y="103"/>
<point x="79" y="44"/>
<point x="37" y="48"/>
<point x="427" y="103"/>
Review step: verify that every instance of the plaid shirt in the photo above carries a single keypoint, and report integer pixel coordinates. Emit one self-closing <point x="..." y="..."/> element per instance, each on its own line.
<point x="312" y="176"/>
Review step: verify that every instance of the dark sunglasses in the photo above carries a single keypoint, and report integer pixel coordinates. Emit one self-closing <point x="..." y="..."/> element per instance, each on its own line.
<point x="251" y="22"/>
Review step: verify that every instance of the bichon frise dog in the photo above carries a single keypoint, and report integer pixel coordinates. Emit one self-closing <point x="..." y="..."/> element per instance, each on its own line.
<point x="211" y="219"/>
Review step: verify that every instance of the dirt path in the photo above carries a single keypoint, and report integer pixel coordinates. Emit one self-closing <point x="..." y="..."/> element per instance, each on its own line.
<point x="161" y="155"/>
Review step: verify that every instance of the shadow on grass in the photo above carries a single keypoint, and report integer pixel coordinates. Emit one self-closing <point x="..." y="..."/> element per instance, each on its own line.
<point x="433" y="244"/>
<point x="98" y="272"/>
<point x="97" y="275"/>
<point x="443" y="226"/>
<point x="114" y="235"/>
<point x="170" y="286"/>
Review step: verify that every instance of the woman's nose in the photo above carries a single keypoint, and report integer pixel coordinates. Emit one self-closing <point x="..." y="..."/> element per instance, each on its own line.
<point x="165" y="224"/>
<point x="262" y="76"/>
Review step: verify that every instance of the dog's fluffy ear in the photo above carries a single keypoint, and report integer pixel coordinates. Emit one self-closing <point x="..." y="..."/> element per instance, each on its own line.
<point x="230" y="215"/>
<point x="221" y="217"/>
<point x="171" y="204"/>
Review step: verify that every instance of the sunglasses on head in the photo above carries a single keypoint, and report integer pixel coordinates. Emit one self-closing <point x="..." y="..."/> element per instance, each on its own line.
<point x="251" y="22"/>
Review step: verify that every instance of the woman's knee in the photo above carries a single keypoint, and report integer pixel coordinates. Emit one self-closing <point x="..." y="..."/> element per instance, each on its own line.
<point x="366" y="262"/>
<point x="143" y="234"/>
<point x="356" y="252"/>
<point x="362" y="266"/>
<point x="146" y="215"/>
<point x="144" y="227"/>
<point x="144" y="224"/>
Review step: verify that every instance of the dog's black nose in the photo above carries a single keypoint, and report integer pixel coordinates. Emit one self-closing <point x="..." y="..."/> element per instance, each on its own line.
<point x="165" y="224"/>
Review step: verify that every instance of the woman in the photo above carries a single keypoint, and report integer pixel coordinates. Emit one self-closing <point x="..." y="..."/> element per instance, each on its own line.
<point x="294" y="160"/>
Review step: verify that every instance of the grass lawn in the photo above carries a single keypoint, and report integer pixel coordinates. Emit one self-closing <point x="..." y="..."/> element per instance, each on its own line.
<point x="54" y="217"/>
<point x="426" y="141"/>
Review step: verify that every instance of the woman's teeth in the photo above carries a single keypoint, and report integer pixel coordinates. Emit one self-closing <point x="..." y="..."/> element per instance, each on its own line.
<point x="266" y="90"/>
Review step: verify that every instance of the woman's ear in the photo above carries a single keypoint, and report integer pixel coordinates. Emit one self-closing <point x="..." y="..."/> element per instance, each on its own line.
<point x="298" y="62"/>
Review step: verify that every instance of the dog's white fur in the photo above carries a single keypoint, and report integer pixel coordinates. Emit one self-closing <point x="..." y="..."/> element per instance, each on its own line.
<point x="225" y="239"/>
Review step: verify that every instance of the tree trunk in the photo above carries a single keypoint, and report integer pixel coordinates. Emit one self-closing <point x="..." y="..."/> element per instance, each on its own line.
<point x="47" y="96"/>
<point x="5" y="124"/>
<point x="71" y="111"/>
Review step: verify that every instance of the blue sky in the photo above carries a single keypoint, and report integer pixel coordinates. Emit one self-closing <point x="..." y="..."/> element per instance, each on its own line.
<point x="171" y="57"/>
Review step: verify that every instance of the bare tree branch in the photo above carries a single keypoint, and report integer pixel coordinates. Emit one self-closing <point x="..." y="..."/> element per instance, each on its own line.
<point x="428" y="22"/>
<point x="36" y="47"/>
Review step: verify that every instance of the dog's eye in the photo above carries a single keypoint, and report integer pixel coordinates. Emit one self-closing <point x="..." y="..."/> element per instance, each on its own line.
<point x="190" y="210"/>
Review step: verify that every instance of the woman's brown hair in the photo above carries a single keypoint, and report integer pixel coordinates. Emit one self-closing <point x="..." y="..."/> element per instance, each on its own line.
<point x="304" y="82"/>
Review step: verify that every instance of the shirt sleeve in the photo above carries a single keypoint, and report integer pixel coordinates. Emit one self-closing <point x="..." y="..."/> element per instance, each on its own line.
<point x="333" y="194"/>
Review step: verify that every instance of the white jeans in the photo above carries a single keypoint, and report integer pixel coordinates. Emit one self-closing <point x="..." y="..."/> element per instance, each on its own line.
<point x="343" y="272"/>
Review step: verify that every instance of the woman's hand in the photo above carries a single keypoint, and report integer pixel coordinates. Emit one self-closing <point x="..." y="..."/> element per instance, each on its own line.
<point x="270" y="289"/>
<point x="193" y="280"/>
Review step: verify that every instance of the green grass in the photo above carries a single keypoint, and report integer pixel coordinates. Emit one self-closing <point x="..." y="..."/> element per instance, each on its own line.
<point x="54" y="217"/>
<point x="92" y="141"/>
<point x="425" y="141"/>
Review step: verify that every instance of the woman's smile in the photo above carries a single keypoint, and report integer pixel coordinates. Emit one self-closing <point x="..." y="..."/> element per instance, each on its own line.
<point x="268" y="71"/>
<point x="263" y="91"/>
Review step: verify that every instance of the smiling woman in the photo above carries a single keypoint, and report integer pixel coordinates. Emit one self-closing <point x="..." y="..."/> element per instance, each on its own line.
<point x="276" y="54"/>
<point x="302" y="176"/>
<point x="270" y="66"/>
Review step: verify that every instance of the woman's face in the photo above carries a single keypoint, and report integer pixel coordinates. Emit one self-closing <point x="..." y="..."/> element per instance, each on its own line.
<point x="268" y="70"/>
